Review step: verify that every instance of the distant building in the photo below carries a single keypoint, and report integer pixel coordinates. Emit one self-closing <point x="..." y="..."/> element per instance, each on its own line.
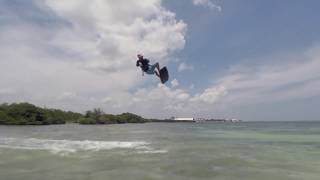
<point x="235" y="120"/>
<point x="197" y="120"/>
<point x="184" y="119"/>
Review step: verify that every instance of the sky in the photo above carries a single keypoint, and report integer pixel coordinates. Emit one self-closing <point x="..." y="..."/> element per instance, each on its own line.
<point x="249" y="60"/>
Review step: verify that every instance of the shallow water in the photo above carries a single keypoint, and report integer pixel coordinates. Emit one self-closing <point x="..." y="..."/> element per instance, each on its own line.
<point x="222" y="151"/>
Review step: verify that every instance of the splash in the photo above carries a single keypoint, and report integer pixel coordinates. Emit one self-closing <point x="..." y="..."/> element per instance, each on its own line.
<point x="69" y="146"/>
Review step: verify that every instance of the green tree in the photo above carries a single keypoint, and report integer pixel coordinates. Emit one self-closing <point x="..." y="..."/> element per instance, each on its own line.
<point x="28" y="114"/>
<point x="25" y="112"/>
<point x="108" y="119"/>
<point x="4" y="118"/>
<point x="87" y="121"/>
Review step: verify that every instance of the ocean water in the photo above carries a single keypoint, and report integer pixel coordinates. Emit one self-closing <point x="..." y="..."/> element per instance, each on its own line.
<point x="170" y="151"/>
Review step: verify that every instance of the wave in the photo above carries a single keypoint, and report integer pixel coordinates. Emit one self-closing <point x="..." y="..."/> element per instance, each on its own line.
<point x="153" y="151"/>
<point x="69" y="146"/>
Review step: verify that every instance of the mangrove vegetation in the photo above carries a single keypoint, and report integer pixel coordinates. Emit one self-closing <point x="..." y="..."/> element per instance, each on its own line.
<point x="29" y="114"/>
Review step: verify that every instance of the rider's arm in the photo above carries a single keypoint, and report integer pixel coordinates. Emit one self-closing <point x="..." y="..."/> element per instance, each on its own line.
<point x="138" y="64"/>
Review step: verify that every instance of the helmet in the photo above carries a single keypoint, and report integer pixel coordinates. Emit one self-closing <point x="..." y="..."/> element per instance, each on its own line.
<point x="140" y="56"/>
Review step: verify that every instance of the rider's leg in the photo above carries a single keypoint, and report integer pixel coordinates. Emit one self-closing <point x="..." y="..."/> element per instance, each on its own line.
<point x="157" y="73"/>
<point x="158" y="67"/>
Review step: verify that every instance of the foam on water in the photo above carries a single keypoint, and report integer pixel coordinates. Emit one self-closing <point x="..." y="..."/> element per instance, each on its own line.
<point x="265" y="151"/>
<point x="153" y="151"/>
<point x="69" y="146"/>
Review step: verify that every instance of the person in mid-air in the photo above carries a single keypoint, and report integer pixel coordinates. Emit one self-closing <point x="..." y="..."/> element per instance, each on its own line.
<point x="146" y="67"/>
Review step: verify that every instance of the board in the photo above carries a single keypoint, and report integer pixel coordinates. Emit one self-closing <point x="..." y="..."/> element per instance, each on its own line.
<point x="164" y="75"/>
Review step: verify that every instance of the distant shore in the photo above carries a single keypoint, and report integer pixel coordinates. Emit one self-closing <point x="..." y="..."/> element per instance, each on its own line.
<point x="29" y="114"/>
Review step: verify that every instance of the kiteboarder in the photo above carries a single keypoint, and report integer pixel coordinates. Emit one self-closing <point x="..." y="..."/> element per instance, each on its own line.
<point x="143" y="63"/>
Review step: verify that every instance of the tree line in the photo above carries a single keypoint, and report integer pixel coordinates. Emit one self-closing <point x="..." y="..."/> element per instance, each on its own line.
<point x="29" y="114"/>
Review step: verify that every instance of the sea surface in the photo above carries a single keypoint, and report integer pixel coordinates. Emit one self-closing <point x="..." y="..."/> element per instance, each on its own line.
<point x="168" y="151"/>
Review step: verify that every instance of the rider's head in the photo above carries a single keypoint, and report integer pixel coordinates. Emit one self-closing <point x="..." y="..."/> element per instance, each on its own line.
<point x="140" y="56"/>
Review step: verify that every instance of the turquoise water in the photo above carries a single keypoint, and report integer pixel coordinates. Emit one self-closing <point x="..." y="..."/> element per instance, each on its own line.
<point x="173" y="151"/>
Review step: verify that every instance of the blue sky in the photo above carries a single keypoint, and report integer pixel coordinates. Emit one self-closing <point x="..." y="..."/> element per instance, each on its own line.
<point x="251" y="33"/>
<point x="245" y="31"/>
<point x="251" y="60"/>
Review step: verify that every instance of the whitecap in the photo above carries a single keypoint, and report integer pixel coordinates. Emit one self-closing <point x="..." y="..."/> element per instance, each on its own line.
<point x="153" y="151"/>
<point x="69" y="146"/>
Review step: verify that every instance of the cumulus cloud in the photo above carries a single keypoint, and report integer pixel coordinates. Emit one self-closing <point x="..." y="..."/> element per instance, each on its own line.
<point x="169" y="101"/>
<point x="80" y="51"/>
<point x="174" y="83"/>
<point x="80" y="54"/>
<point x="210" y="95"/>
<point x="110" y="33"/>
<point x="243" y="85"/>
<point x="207" y="3"/>
<point x="297" y="78"/>
<point x="84" y="56"/>
<point x="6" y="91"/>
<point x="185" y="67"/>
<point x="67" y="96"/>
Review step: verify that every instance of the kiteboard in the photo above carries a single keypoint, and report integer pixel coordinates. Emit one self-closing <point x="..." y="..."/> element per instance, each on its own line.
<point x="164" y="75"/>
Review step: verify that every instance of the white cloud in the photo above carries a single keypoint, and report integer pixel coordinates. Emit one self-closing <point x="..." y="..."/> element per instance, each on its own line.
<point x="87" y="59"/>
<point x="107" y="100"/>
<point x="67" y="96"/>
<point x="295" y="79"/>
<point x="89" y="51"/>
<point x="207" y="3"/>
<point x="174" y="83"/>
<point x="185" y="67"/>
<point x="163" y="101"/>
<point x="210" y="95"/>
<point x="112" y="32"/>
<point x="239" y="87"/>
<point x="6" y="91"/>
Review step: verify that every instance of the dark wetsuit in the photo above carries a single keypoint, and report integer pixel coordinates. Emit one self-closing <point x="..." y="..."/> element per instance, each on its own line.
<point x="144" y="64"/>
